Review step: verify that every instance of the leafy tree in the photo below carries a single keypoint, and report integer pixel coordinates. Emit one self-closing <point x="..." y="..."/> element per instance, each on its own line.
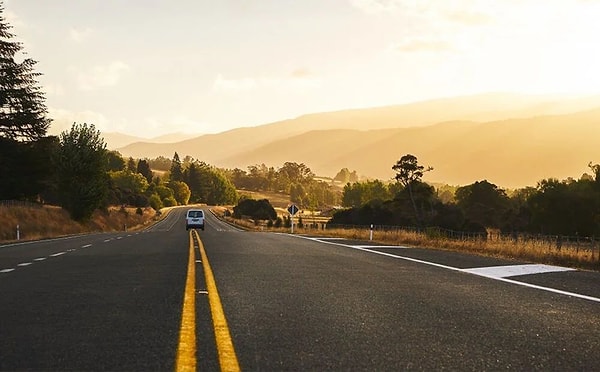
<point x="169" y="202"/>
<point x="81" y="164"/>
<point x="22" y="103"/>
<point x="360" y="193"/>
<point x="208" y="185"/>
<point x="126" y="180"/>
<point x="161" y="163"/>
<point x="220" y="190"/>
<point x="483" y="202"/>
<point x="176" y="168"/>
<point x="566" y="208"/>
<point x="155" y="202"/>
<point x="342" y="176"/>
<point x="143" y="168"/>
<point x="181" y="192"/>
<point x="164" y="192"/>
<point x="131" y="165"/>
<point x="293" y="173"/>
<point x="115" y="161"/>
<point x="421" y="199"/>
<point x="408" y="171"/>
<point x="298" y="194"/>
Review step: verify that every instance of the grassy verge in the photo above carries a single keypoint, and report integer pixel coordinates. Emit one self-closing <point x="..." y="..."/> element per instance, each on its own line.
<point x="531" y="251"/>
<point x="48" y="222"/>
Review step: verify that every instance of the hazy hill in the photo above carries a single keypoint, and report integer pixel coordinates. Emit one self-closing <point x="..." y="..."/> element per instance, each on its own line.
<point x="510" y="153"/>
<point x="116" y="140"/>
<point x="516" y="143"/>
<point x="482" y="107"/>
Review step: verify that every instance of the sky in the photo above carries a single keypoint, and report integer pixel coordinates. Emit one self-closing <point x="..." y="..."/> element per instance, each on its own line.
<point x="152" y="67"/>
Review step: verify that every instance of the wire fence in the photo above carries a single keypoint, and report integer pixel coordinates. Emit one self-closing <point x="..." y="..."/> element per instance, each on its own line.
<point x="558" y="242"/>
<point x="20" y="203"/>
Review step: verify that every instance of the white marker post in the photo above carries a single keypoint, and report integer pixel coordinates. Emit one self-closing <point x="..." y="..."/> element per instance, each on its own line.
<point x="371" y="233"/>
<point x="18" y="233"/>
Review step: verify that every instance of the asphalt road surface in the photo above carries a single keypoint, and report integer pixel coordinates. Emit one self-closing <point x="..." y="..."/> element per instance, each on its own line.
<point x="139" y="301"/>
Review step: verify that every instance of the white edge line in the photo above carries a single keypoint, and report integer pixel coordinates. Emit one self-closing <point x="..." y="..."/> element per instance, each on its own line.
<point x="558" y="291"/>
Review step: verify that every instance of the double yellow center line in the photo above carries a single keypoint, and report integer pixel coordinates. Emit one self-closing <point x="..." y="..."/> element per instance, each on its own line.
<point x="186" y="351"/>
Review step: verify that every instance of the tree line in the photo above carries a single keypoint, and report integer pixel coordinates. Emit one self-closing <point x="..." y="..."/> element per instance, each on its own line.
<point x="568" y="207"/>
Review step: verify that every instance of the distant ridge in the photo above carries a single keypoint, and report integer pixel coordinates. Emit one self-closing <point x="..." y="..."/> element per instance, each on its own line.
<point x="511" y="140"/>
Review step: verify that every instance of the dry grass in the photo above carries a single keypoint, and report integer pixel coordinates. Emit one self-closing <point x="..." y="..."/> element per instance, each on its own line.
<point x="531" y="251"/>
<point x="47" y="222"/>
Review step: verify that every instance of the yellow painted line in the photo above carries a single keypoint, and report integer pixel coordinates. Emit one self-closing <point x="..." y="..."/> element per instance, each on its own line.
<point x="227" y="357"/>
<point x="186" y="351"/>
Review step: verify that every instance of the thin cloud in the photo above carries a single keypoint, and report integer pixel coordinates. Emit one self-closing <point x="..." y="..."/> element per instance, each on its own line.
<point x="375" y="6"/>
<point x="423" y="45"/>
<point x="102" y="76"/>
<point x="300" y="79"/>
<point x="62" y="119"/>
<point x="301" y="73"/>
<point x="79" y="36"/>
<point x="470" y="18"/>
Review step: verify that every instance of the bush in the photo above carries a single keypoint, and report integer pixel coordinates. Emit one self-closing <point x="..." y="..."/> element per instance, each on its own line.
<point x="169" y="201"/>
<point x="255" y="209"/>
<point x="155" y="202"/>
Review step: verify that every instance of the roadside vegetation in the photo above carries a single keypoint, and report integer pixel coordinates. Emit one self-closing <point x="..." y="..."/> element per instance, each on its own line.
<point x="41" y="222"/>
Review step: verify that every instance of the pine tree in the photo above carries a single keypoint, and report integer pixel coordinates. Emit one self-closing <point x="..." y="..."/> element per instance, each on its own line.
<point x="176" y="168"/>
<point x="22" y="103"/>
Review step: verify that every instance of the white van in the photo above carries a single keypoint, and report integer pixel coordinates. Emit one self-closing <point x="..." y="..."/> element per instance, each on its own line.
<point x="194" y="219"/>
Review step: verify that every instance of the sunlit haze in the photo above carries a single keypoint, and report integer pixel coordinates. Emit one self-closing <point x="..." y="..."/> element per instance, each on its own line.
<point x="151" y="67"/>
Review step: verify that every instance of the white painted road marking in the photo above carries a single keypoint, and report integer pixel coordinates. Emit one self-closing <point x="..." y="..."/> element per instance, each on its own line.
<point x="24" y="264"/>
<point x="86" y="246"/>
<point x="468" y="271"/>
<point x="382" y="246"/>
<point x="515" y="270"/>
<point x="6" y="270"/>
<point x="58" y="254"/>
<point x="39" y="259"/>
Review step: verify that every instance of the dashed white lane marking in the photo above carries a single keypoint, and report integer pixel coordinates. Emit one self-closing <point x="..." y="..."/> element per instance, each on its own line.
<point x="6" y="270"/>
<point x="58" y="254"/>
<point x="39" y="259"/>
<point x="86" y="246"/>
<point x="469" y="271"/>
<point x="515" y="270"/>
<point x="107" y="240"/>
<point x="24" y="264"/>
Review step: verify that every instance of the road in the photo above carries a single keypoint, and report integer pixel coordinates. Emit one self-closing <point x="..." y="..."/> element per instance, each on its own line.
<point x="266" y="302"/>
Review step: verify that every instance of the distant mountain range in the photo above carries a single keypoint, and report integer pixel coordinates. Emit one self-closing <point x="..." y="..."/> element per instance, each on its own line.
<point x="510" y="140"/>
<point x="116" y="140"/>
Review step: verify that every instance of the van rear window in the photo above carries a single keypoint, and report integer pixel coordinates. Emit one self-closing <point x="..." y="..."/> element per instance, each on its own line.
<point x="195" y="214"/>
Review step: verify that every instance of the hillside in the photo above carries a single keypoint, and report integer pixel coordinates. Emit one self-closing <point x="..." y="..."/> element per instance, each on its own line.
<point x="516" y="146"/>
